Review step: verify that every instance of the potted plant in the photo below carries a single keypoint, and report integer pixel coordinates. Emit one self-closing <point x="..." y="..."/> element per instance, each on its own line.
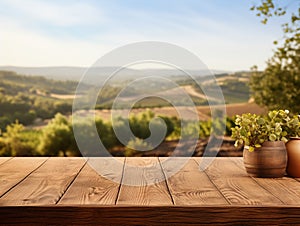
<point x="264" y="140"/>
<point x="293" y="147"/>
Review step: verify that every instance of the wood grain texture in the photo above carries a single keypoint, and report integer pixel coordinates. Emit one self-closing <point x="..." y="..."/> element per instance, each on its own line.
<point x="15" y="170"/>
<point x="96" y="187"/>
<point x="236" y="186"/>
<point x="46" y="185"/>
<point x="286" y="189"/>
<point x="190" y="186"/>
<point x="143" y="183"/>
<point x="65" y="191"/>
<point x="144" y="215"/>
<point x="4" y="159"/>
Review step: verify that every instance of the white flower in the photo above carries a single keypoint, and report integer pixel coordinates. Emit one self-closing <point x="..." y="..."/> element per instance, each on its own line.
<point x="286" y="111"/>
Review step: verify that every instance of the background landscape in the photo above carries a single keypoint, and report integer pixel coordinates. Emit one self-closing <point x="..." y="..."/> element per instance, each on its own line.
<point x="46" y="48"/>
<point x="29" y="102"/>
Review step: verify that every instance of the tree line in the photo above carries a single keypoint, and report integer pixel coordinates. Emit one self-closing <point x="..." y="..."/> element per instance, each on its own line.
<point x="27" y="98"/>
<point x="57" y="137"/>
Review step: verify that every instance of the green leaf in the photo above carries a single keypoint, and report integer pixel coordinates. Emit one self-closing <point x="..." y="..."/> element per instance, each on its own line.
<point x="294" y="18"/>
<point x="251" y="149"/>
<point x="261" y="121"/>
<point x="261" y="140"/>
<point x="272" y="137"/>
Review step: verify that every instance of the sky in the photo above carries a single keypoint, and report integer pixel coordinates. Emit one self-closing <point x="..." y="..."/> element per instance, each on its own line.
<point x="225" y="35"/>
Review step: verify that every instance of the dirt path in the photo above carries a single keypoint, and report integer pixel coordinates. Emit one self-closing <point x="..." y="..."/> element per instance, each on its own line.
<point x="191" y="91"/>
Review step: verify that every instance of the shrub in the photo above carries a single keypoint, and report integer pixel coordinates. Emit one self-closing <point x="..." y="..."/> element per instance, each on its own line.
<point x="136" y="145"/>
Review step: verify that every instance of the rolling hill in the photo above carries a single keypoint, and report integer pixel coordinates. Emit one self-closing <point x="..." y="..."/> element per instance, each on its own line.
<point x="234" y="86"/>
<point x="97" y="73"/>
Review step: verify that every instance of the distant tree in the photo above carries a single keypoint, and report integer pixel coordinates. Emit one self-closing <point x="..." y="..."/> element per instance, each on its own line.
<point x="4" y="121"/>
<point x="11" y="143"/>
<point x="85" y="134"/>
<point x="11" y="139"/>
<point x="278" y="86"/>
<point x="87" y="145"/>
<point x="62" y="107"/>
<point x="106" y="133"/>
<point x="56" y="137"/>
<point x="134" y="146"/>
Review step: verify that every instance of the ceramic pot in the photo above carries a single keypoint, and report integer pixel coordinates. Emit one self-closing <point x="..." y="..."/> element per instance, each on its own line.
<point x="293" y="151"/>
<point x="270" y="160"/>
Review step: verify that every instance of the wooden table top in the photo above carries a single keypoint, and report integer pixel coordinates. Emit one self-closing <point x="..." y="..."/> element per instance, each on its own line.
<point x="38" y="188"/>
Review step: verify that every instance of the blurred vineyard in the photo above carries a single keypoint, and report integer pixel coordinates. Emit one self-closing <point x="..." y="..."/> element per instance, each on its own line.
<point x="57" y="137"/>
<point x="36" y="118"/>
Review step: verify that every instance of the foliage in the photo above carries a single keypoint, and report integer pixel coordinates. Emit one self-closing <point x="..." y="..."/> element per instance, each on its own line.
<point x="56" y="137"/>
<point x="279" y="85"/>
<point x="253" y="130"/>
<point x="135" y="145"/>
<point x="291" y="124"/>
<point x="230" y="123"/>
<point x="270" y="8"/>
<point x="83" y="129"/>
<point x="205" y="128"/>
<point x="106" y="134"/>
<point x="15" y="142"/>
<point x="217" y="127"/>
<point x="13" y="83"/>
<point x="190" y="130"/>
<point x="11" y="138"/>
<point x="139" y="124"/>
<point x="235" y="90"/>
<point x="23" y="98"/>
<point x="31" y="138"/>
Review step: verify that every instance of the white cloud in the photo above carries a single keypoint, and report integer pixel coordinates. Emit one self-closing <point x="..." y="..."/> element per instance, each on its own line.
<point x="77" y="13"/>
<point x="20" y="47"/>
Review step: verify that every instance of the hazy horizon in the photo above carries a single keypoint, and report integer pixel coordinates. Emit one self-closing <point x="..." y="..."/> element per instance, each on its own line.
<point x="224" y="36"/>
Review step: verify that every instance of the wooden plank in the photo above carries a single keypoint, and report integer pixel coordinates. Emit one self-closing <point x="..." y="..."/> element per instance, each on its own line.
<point x="46" y="185"/>
<point x="92" y="188"/>
<point x="239" y="162"/>
<point x="15" y="170"/>
<point x="145" y="215"/>
<point x="4" y="159"/>
<point x="190" y="186"/>
<point x="286" y="189"/>
<point x="143" y="183"/>
<point x="236" y="186"/>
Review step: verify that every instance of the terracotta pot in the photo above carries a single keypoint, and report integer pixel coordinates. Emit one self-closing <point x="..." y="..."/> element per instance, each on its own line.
<point x="293" y="151"/>
<point x="270" y="160"/>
